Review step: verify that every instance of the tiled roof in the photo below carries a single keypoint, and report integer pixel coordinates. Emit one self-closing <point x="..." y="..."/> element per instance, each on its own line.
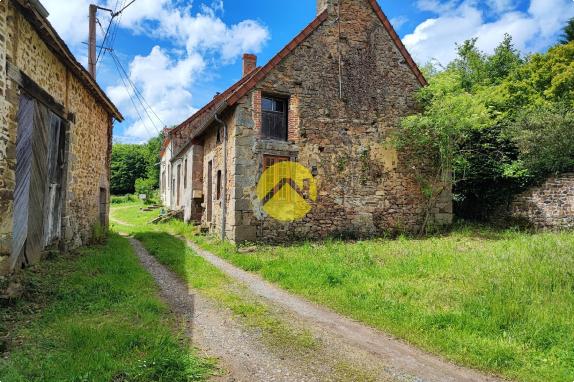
<point x="243" y="86"/>
<point x="232" y="95"/>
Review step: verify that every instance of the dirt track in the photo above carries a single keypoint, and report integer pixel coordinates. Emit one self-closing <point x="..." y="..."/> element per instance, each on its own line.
<point x="347" y="351"/>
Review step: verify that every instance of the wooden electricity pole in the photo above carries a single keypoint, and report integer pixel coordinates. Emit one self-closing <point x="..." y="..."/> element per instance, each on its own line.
<point x="92" y="41"/>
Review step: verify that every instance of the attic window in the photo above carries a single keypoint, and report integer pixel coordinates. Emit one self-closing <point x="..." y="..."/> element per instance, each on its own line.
<point x="274" y="118"/>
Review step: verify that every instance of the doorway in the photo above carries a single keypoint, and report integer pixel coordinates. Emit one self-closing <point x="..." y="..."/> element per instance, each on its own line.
<point x="39" y="189"/>
<point x="209" y="207"/>
<point x="103" y="207"/>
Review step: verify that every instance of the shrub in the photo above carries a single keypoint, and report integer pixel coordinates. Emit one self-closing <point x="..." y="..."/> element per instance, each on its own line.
<point x="116" y="199"/>
<point x="146" y="187"/>
<point x="545" y="140"/>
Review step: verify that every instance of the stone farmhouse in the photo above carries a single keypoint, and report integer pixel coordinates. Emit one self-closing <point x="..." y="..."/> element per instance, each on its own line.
<point x="328" y="101"/>
<point x="55" y="141"/>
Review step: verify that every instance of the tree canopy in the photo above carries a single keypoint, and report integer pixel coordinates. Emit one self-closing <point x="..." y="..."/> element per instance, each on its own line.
<point x="568" y="35"/>
<point x="132" y="162"/>
<point x="493" y="124"/>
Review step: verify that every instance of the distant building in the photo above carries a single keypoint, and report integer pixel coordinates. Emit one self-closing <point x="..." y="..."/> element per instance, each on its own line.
<point x="328" y="101"/>
<point x="55" y="141"/>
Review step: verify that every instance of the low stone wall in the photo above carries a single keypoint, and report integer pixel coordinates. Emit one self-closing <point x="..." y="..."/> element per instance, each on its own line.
<point x="548" y="206"/>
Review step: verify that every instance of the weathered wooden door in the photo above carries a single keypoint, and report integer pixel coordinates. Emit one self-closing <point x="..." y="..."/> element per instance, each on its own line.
<point x="178" y="191"/>
<point x="209" y="198"/>
<point x="38" y="190"/>
<point x="54" y="187"/>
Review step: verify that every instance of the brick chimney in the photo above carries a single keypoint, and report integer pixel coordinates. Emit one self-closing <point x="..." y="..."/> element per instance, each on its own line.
<point x="249" y="63"/>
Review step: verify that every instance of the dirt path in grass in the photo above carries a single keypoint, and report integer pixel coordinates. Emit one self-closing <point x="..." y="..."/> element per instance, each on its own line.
<point x="399" y="360"/>
<point x="242" y="351"/>
<point x="345" y="350"/>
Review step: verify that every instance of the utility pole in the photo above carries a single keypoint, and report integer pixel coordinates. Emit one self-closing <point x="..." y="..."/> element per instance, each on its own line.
<point x="92" y="41"/>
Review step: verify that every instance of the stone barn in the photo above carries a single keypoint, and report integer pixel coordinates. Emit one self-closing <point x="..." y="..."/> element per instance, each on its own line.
<point x="55" y="141"/>
<point x="329" y="102"/>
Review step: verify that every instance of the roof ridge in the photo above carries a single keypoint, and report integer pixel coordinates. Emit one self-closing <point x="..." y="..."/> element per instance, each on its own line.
<point x="235" y="92"/>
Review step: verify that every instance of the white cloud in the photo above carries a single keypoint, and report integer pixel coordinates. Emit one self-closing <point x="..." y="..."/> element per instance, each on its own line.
<point x="165" y="75"/>
<point x="532" y="30"/>
<point x="500" y="6"/>
<point x="70" y="18"/>
<point x="164" y="84"/>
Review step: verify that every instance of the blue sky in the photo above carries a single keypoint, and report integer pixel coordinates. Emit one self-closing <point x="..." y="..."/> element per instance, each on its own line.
<point x="179" y="53"/>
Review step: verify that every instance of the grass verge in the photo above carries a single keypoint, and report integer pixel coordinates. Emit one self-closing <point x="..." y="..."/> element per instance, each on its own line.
<point x="95" y="316"/>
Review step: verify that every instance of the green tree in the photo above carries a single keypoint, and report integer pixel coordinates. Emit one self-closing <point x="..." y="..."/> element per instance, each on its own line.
<point x="128" y="164"/>
<point x="152" y="151"/>
<point x="544" y="79"/>
<point x="568" y="35"/>
<point x="505" y="60"/>
<point x="436" y="138"/>
<point x="545" y="140"/>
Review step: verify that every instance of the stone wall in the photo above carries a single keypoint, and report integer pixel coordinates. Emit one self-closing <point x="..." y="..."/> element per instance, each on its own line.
<point x="88" y="138"/>
<point x="548" y="206"/>
<point x="7" y="147"/>
<point x="364" y="186"/>
<point x="213" y="152"/>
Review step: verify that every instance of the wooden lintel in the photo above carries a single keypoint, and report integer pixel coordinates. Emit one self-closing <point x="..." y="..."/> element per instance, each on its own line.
<point x="34" y="90"/>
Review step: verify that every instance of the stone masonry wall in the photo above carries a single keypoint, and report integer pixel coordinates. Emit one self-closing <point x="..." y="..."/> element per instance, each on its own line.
<point x="548" y="206"/>
<point x="7" y="148"/>
<point x="88" y="138"/>
<point x="364" y="188"/>
<point x="213" y="151"/>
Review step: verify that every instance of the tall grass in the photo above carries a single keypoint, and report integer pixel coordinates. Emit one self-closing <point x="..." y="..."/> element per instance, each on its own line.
<point x="501" y="302"/>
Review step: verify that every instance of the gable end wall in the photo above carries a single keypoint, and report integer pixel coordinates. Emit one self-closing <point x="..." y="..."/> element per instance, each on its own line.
<point x="364" y="188"/>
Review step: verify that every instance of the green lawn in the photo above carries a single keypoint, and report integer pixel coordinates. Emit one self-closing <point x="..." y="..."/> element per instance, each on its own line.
<point x="500" y="301"/>
<point x="95" y="316"/>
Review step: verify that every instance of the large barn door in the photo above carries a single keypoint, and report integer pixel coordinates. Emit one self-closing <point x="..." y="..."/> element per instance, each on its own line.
<point x="37" y="196"/>
<point x="209" y="199"/>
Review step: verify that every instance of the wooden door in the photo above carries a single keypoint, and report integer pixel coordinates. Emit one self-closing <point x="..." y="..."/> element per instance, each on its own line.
<point x="103" y="207"/>
<point x="32" y="142"/>
<point x="209" y="198"/>
<point x="54" y="187"/>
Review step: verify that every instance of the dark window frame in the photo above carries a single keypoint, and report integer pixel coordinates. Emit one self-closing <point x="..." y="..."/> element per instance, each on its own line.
<point x="275" y="117"/>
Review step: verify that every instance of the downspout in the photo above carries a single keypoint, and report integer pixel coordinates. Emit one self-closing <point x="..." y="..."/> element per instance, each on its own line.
<point x="224" y="180"/>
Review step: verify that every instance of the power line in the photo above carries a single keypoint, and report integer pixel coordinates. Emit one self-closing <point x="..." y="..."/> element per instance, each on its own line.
<point x="123" y="9"/>
<point x="122" y="71"/>
<point x="130" y="96"/>
<point x="115" y="31"/>
<point x="137" y="92"/>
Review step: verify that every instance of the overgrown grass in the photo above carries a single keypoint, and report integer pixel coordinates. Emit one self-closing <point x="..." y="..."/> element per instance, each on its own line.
<point x="95" y="316"/>
<point x="500" y="301"/>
